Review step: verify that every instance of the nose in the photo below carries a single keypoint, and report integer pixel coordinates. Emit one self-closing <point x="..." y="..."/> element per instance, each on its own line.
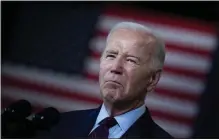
<point x="117" y="67"/>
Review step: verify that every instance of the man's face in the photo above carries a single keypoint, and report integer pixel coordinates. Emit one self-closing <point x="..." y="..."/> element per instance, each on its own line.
<point x="125" y="73"/>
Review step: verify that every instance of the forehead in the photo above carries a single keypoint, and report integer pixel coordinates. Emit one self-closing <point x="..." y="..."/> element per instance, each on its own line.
<point x="131" y="39"/>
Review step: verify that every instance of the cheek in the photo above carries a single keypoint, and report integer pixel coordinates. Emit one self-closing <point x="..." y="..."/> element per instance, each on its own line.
<point x="136" y="80"/>
<point x="132" y="74"/>
<point x="130" y="79"/>
<point x="101" y="73"/>
<point x="103" y="70"/>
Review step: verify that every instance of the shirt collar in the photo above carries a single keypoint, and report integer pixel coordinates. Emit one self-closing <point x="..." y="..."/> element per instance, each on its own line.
<point x="102" y="115"/>
<point x="125" y="120"/>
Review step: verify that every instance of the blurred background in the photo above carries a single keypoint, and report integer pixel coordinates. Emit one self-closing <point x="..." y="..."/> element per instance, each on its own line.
<point x="51" y="50"/>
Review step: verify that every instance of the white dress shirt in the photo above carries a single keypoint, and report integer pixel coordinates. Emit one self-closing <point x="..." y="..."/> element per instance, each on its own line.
<point x="124" y="121"/>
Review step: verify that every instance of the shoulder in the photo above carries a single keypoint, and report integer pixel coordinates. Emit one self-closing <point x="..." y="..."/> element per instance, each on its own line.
<point x="74" y="117"/>
<point x="155" y="130"/>
<point x="159" y="132"/>
<point x="76" y="113"/>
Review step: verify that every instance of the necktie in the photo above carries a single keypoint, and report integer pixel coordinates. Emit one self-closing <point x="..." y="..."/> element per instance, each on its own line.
<point x="102" y="131"/>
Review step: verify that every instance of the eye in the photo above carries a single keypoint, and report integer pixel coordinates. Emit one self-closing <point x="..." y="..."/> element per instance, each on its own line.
<point x="110" y="56"/>
<point x="131" y="60"/>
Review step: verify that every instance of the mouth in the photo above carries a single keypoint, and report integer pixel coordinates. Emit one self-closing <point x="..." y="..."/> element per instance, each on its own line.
<point x="114" y="82"/>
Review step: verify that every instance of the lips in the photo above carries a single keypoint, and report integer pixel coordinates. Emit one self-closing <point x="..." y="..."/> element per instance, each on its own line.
<point x="110" y="81"/>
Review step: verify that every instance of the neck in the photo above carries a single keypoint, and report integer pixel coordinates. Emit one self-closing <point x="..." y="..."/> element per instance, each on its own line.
<point x="115" y="109"/>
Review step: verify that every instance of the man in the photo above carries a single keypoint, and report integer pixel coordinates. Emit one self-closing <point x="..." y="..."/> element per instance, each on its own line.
<point x="130" y="67"/>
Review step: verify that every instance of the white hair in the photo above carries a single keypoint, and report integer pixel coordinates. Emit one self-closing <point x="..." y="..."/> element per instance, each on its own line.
<point x="159" y="57"/>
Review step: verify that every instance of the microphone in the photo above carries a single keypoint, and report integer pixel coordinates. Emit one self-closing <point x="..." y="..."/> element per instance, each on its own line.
<point x="16" y="125"/>
<point x="46" y="118"/>
<point x="42" y="120"/>
<point x="16" y="111"/>
<point x="14" y="119"/>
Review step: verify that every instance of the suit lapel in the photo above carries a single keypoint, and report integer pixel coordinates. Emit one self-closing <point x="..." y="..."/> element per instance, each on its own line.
<point x="141" y="128"/>
<point x="87" y="123"/>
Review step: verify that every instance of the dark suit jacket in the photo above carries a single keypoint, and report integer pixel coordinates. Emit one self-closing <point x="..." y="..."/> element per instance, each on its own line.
<point x="78" y="124"/>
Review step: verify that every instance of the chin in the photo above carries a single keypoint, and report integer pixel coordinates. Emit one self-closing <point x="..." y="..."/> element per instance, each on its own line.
<point x="110" y="95"/>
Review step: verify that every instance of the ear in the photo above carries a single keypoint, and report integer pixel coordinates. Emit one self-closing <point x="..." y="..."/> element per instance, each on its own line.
<point x="154" y="80"/>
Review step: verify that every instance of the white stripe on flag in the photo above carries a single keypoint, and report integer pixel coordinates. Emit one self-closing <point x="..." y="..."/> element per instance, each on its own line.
<point x="178" y="82"/>
<point x="187" y="61"/>
<point x="50" y="78"/>
<point x="172" y="35"/>
<point x="171" y="105"/>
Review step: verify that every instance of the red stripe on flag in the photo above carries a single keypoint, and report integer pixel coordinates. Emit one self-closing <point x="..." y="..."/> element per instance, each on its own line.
<point x="185" y="72"/>
<point x="156" y="17"/>
<point x="51" y="90"/>
<point x="91" y="76"/>
<point x="177" y="94"/>
<point x="95" y="55"/>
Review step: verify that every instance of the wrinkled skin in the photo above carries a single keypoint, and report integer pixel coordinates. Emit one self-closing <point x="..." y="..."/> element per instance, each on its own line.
<point x="126" y="73"/>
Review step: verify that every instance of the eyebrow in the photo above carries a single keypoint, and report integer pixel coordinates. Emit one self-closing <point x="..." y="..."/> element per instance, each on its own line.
<point x="112" y="52"/>
<point x="129" y="55"/>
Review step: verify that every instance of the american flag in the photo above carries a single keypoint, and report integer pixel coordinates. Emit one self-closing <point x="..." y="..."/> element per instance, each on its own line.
<point x="174" y="103"/>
